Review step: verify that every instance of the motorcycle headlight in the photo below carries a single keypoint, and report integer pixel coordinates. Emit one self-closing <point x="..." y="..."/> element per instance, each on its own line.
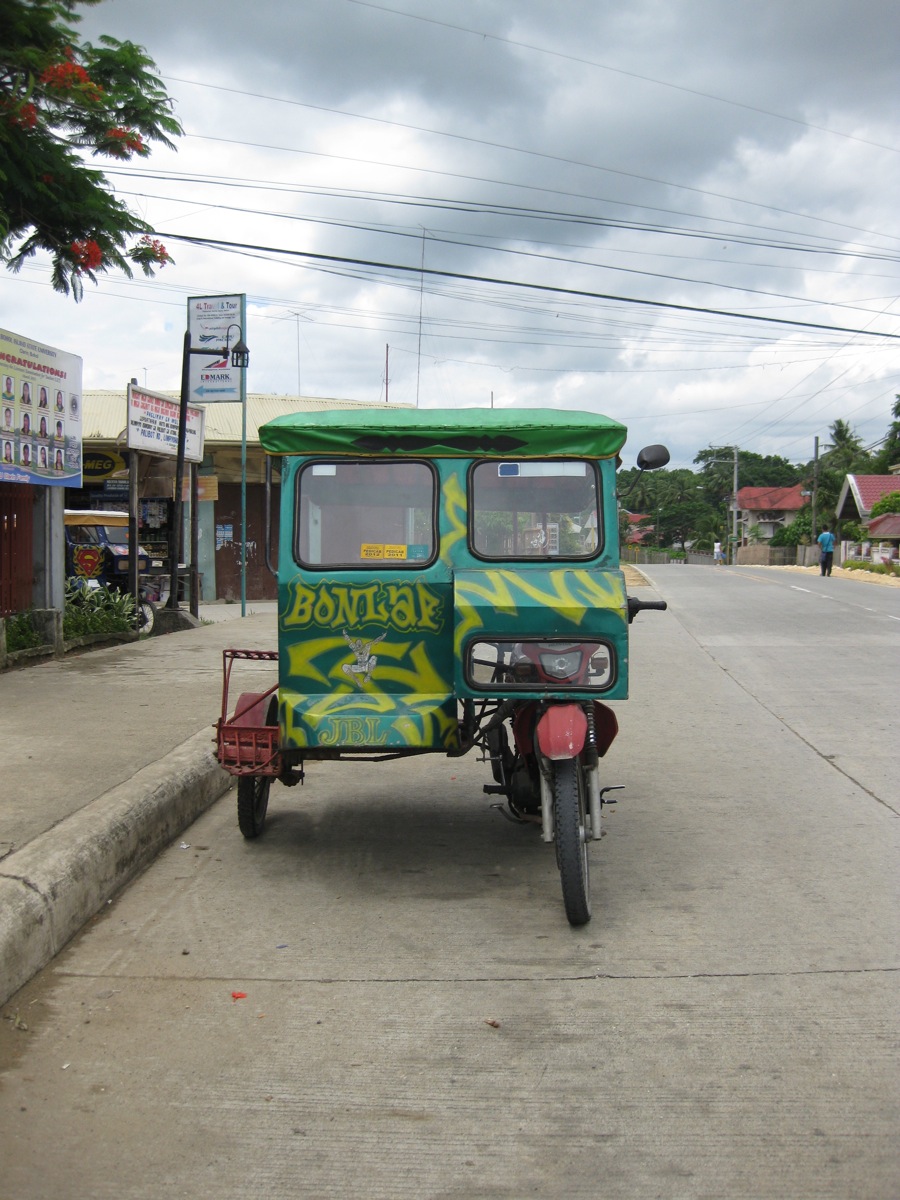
<point x="561" y="665"/>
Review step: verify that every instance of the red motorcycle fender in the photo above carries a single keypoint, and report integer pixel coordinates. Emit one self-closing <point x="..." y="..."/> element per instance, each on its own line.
<point x="561" y="731"/>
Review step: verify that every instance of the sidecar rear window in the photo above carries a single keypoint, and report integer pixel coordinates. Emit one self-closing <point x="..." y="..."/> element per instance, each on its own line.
<point x="534" y="509"/>
<point x="379" y="513"/>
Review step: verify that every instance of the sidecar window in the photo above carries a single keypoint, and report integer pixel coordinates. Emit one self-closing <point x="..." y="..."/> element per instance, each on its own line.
<point x="377" y="512"/>
<point x="535" y="509"/>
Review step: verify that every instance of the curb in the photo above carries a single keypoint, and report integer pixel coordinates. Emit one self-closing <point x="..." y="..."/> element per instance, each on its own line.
<point x="60" y="879"/>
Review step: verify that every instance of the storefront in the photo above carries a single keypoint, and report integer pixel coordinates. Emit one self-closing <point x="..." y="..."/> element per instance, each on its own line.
<point x="105" y="485"/>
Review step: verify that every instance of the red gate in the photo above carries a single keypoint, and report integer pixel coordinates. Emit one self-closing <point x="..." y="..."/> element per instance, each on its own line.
<point x="16" y="547"/>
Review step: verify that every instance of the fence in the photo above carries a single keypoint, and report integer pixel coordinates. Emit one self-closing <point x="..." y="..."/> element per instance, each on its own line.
<point x="747" y="556"/>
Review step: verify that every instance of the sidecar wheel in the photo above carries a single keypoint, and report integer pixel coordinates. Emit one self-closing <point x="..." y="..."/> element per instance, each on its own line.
<point x="252" y="803"/>
<point x="570" y="811"/>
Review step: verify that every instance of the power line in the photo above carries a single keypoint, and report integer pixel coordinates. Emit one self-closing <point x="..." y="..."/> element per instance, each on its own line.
<point x="244" y="247"/>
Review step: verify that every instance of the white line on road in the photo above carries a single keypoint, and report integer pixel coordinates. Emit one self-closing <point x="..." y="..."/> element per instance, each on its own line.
<point x="794" y="588"/>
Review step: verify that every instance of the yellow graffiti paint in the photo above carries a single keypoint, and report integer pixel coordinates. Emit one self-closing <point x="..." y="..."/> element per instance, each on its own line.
<point x="402" y="605"/>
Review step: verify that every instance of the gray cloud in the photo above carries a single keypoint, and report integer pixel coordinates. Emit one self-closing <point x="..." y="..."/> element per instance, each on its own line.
<point x="740" y="145"/>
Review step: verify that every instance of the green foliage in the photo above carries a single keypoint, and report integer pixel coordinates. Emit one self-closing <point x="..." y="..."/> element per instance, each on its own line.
<point x="889" y="454"/>
<point x="692" y="506"/>
<point x="887" y="504"/>
<point x="892" y="569"/>
<point x="21" y="633"/>
<point x="798" y="533"/>
<point x="99" y="610"/>
<point x="58" y="99"/>
<point x="754" y="470"/>
<point x="852" y="531"/>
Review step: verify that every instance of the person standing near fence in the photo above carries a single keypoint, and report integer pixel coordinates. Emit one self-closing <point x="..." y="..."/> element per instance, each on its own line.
<point x="826" y="544"/>
<point x="718" y="556"/>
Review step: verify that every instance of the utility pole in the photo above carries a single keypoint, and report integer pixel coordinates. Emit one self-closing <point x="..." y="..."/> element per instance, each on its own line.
<point x="734" y="523"/>
<point x="815" y="486"/>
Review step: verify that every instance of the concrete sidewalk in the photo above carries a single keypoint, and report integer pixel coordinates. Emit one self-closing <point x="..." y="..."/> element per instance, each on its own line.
<point x="107" y="756"/>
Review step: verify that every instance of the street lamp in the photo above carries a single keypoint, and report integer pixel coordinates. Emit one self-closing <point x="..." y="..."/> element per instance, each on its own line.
<point x="240" y="358"/>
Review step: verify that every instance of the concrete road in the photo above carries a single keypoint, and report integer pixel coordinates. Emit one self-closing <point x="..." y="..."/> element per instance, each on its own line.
<point x="382" y="998"/>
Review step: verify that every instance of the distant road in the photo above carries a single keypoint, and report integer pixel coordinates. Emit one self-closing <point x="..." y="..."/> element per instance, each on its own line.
<point x="823" y="655"/>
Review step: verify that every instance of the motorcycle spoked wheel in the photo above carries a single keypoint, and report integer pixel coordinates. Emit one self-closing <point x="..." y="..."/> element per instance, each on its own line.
<point x="146" y="616"/>
<point x="570" y="819"/>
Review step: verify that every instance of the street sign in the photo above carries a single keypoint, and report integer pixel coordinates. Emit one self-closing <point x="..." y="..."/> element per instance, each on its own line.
<point x="216" y="322"/>
<point x="153" y="425"/>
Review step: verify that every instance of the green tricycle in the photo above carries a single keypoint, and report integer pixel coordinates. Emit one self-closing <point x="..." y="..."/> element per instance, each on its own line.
<point x="448" y="581"/>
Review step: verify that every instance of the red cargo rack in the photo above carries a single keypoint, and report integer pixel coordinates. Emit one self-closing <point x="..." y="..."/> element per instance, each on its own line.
<point x="246" y="744"/>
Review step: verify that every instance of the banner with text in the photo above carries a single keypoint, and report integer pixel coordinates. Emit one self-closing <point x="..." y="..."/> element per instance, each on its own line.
<point x="153" y="425"/>
<point x="40" y="430"/>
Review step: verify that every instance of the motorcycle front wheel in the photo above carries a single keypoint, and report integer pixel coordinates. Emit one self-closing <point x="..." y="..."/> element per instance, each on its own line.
<point x="569" y="815"/>
<point x="146" y="616"/>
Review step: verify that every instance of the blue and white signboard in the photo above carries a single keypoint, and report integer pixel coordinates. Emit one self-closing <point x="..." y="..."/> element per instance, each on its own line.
<point x="40" y="413"/>
<point x="216" y="322"/>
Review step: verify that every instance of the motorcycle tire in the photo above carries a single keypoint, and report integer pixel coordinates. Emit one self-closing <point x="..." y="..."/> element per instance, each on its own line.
<point x="146" y="616"/>
<point x="570" y="820"/>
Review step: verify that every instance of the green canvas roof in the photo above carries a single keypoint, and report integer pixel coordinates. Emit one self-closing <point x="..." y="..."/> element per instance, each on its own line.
<point x="445" y="433"/>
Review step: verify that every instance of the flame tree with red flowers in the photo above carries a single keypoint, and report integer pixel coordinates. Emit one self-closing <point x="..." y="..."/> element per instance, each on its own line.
<point x="61" y="102"/>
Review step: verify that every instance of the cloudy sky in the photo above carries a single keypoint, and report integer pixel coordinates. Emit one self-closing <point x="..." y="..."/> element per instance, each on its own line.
<point x="683" y="213"/>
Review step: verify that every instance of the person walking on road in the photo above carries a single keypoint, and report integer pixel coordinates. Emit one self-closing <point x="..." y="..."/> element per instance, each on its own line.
<point x="826" y="543"/>
<point x="718" y="556"/>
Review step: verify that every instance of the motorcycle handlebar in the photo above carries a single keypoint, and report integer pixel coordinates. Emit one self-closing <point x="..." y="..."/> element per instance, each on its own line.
<point x="635" y="606"/>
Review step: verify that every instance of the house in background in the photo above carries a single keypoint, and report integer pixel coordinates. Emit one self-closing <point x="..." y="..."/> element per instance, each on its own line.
<point x="641" y="530"/>
<point x="767" y="509"/>
<point x="859" y="495"/>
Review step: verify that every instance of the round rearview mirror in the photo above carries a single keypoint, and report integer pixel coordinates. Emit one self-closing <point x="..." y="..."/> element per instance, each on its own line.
<point x="651" y="458"/>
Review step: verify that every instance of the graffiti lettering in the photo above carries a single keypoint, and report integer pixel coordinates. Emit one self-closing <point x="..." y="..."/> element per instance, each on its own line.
<point x="401" y="606"/>
<point x="351" y="731"/>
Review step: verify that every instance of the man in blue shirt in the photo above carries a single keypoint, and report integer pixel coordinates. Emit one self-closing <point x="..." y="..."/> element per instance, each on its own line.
<point x="826" y="542"/>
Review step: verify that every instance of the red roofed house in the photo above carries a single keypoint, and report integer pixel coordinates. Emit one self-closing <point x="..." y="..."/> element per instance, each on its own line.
<point x="641" y="530"/>
<point x="858" y="496"/>
<point x="767" y="509"/>
<point x="861" y="492"/>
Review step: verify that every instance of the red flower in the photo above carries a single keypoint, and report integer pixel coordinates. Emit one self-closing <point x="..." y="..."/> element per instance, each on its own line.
<point x="150" y="251"/>
<point x="122" y="142"/>
<point x="65" y="75"/>
<point x="87" y="254"/>
<point x="70" y="76"/>
<point x="25" y="117"/>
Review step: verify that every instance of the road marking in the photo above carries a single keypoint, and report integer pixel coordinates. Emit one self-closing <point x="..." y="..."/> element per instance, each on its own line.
<point x="794" y="588"/>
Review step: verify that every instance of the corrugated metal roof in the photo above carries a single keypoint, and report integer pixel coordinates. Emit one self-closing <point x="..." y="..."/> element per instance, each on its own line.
<point x="104" y="414"/>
